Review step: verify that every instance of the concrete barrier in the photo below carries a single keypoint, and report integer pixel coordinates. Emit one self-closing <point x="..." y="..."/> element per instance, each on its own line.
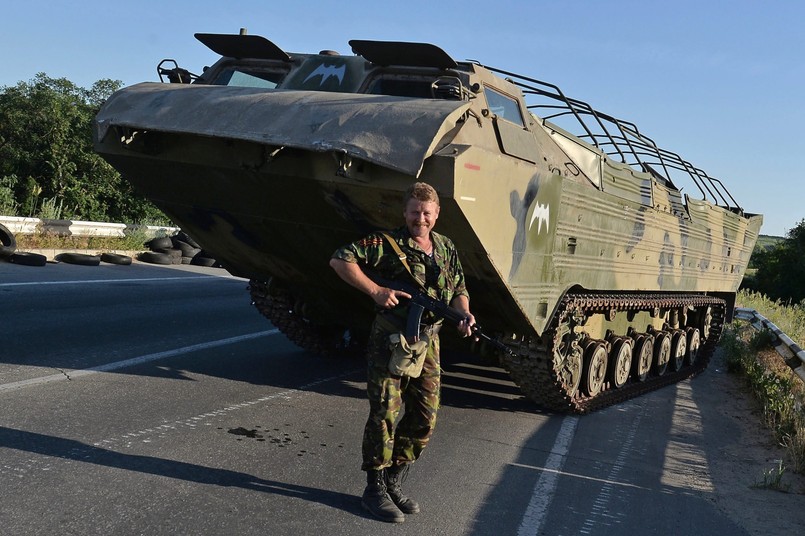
<point x="19" y="225"/>
<point x="790" y="351"/>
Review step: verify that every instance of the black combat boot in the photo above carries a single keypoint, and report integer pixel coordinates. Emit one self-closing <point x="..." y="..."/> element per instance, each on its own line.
<point x="377" y="501"/>
<point x="394" y="477"/>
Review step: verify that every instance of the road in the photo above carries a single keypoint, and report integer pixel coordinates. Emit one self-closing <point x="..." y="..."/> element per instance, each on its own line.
<point x="156" y="400"/>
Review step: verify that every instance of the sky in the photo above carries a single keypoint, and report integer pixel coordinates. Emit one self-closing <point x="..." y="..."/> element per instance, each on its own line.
<point x="722" y="83"/>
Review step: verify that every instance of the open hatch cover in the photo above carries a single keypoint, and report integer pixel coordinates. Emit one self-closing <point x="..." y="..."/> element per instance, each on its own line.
<point x="243" y="46"/>
<point x="386" y="53"/>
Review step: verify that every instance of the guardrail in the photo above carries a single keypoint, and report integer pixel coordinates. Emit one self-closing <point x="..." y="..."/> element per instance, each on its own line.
<point x="19" y="225"/>
<point x="790" y="351"/>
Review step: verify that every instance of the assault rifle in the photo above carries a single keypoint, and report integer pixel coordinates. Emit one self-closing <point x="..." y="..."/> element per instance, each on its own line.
<point x="420" y="302"/>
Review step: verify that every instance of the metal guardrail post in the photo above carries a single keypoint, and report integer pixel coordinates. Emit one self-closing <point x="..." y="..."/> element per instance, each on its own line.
<point x="787" y="348"/>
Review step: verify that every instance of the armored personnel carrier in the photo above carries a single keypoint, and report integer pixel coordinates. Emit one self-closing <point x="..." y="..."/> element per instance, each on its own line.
<point x="581" y="252"/>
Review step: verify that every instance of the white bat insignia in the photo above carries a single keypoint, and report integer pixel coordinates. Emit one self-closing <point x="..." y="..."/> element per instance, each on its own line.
<point x="326" y="71"/>
<point x="542" y="213"/>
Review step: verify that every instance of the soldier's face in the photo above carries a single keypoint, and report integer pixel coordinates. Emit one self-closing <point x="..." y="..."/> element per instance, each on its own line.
<point x="420" y="217"/>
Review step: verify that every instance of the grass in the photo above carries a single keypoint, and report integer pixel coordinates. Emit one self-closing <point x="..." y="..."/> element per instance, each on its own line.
<point x="133" y="241"/>
<point x="790" y="318"/>
<point x="773" y="479"/>
<point x="781" y="393"/>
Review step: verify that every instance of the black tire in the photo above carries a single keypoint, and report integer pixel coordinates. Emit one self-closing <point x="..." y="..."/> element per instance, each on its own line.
<point x="114" y="258"/>
<point x="154" y="257"/>
<point x="198" y="260"/>
<point x="79" y="258"/>
<point x="186" y="249"/>
<point x="8" y="244"/>
<point x="28" y="259"/>
<point x="174" y="254"/>
<point x="159" y="242"/>
<point x="182" y="236"/>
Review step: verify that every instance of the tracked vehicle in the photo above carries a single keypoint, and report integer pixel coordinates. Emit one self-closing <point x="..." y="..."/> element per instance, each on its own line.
<point x="581" y="253"/>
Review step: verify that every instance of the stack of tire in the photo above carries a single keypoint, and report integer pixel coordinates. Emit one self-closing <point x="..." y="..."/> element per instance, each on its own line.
<point x="177" y="249"/>
<point x="8" y="251"/>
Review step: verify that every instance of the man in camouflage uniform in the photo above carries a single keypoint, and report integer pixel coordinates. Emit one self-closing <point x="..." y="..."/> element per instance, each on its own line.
<point x="389" y="446"/>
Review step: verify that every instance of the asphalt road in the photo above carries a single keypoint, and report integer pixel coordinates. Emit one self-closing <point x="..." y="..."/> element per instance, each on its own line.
<point x="156" y="400"/>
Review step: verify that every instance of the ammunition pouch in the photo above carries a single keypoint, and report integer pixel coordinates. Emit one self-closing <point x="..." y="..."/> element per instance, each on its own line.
<point x="407" y="359"/>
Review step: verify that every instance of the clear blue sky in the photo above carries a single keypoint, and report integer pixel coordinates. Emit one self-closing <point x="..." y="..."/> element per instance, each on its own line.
<point x="722" y="83"/>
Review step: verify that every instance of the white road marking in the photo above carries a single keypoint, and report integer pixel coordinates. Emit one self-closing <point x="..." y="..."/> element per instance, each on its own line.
<point x="541" y="497"/>
<point x="73" y="374"/>
<point x="584" y="477"/>
<point x="88" y="451"/>
<point x="601" y="512"/>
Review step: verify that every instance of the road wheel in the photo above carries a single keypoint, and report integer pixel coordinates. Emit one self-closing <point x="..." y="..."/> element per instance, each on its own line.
<point x="643" y="353"/>
<point x="595" y="368"/>
<point x="679" y="347"/>
<point x="662" y="352"/>
<point x="694" y="342"/>
<point x="621" y="363"/>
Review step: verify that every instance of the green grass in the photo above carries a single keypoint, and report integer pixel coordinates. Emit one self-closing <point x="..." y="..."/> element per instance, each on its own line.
<point x="789" y="318"/>
<point x="133" y="241"/>
<point x="781" y="393"/>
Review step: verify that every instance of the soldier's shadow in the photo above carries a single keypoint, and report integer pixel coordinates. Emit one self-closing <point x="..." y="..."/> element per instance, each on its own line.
<point x="75" y="450"/>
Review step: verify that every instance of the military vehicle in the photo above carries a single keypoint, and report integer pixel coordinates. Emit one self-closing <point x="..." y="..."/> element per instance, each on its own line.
<point x="582" y="254"/>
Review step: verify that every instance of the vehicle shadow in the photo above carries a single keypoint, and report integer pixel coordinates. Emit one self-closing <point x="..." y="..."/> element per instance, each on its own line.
<point x="70" y="449"/>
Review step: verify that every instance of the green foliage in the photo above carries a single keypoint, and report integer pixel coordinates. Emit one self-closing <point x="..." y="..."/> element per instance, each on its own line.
<point x="46" y="155"/>
<point x="764" y="243"/>
<point x="779" y="269"/>
<point x="8" y="203"/>
<point x="774" y="385"/>
<point x="789" y="318"/>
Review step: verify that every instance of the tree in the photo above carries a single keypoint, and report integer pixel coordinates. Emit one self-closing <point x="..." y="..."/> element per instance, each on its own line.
<point x="47" y="158"/>
<point x="780" y="273"/>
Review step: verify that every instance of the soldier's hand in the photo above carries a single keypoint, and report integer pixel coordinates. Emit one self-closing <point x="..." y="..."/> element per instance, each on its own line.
<point x="389" y="298"/>
<point x="465" y="326"/>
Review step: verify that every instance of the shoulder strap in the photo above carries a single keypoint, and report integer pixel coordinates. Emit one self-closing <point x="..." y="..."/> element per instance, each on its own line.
<point x="402" y="256"/>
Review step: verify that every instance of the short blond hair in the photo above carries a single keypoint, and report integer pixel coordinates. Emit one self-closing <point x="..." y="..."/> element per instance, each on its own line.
<point x="421" y="191"/>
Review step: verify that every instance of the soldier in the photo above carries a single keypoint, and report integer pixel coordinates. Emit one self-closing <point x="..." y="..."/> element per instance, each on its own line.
<point x="431" y="261"/>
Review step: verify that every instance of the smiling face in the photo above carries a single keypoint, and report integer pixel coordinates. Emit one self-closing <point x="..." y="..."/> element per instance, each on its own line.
<point x="420" y="217"/>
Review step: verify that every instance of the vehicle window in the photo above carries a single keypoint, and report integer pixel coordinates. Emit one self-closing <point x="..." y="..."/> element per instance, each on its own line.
<point x="401" y="87"/>
<point x="503" y="106"/>
<point x="233" y="77"/>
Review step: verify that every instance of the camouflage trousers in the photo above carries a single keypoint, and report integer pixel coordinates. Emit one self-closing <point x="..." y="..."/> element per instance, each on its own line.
<point x="388" y="437"/>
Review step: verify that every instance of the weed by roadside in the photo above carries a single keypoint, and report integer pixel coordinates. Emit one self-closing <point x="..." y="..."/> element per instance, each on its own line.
<point x="773" y="479"/>
<point x="133" y="241"/>
<point x="781" y="394"/>
<point x="789" y="317"/>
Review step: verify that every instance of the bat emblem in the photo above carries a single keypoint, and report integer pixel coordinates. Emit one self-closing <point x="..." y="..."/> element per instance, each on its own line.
<point x="326" y="71"/>
<point x="542" y="214"/>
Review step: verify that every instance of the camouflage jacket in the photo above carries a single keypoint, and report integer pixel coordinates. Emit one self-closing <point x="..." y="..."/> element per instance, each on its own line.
<point x="440" y="274"/>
